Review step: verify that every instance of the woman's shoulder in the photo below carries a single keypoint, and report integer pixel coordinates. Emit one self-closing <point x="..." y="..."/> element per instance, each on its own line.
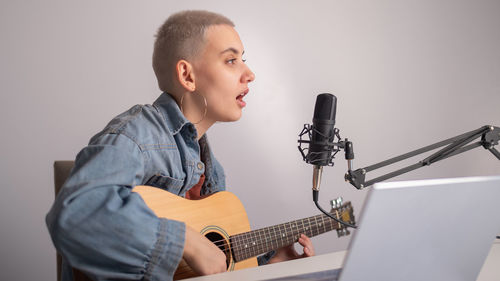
<point x="142" y="123"/>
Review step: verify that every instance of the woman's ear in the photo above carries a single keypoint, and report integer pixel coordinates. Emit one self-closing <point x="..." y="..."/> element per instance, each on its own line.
<point x="185" y="75"/>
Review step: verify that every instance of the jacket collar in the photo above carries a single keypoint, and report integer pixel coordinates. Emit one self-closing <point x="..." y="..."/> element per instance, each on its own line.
<point x="170" y="110"/>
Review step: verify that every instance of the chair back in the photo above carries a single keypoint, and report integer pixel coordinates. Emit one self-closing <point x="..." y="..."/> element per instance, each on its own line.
<point x="62" y="169"/>
<point x="61" y="173"/>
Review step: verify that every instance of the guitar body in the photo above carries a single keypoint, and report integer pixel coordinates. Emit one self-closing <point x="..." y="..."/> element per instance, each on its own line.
<point x="222" y="219"/>
<point x="217" y="216"/>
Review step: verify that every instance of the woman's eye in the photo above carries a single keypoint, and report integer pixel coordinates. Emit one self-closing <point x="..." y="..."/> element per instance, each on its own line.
<point x="233" y="61"/>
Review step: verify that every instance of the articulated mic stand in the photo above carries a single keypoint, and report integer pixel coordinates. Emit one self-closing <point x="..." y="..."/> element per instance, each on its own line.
<point x="490" y="136"/>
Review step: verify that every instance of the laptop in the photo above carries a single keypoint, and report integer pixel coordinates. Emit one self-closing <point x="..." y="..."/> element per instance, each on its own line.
<point x="439" y="229"/>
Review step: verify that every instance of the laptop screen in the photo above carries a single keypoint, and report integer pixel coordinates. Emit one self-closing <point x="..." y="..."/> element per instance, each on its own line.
<point x="425" y="230"/>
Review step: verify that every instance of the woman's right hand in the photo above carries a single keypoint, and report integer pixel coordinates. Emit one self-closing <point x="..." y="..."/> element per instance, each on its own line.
<point x="202" y="255"/>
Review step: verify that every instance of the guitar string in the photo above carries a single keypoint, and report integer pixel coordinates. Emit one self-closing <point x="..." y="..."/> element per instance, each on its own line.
<point x="227" y="249"/>
<point x="278" y="238"/>
<point x="259" y="244"/>
<point x="275" y="238"/>
<point x="300" y="231"/>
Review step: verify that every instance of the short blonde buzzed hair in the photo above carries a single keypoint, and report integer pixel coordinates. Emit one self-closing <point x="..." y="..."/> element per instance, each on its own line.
<point x="182" y="36"/>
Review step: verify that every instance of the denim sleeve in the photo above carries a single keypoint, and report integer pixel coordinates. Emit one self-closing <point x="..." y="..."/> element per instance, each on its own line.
<point x="103" y="228"/>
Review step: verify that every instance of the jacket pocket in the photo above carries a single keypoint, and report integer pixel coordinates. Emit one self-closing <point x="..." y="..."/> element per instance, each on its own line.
<point x="167" y="183"/>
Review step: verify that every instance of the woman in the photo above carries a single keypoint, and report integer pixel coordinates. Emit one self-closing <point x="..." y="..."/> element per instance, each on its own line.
<point x="97" y="223"/>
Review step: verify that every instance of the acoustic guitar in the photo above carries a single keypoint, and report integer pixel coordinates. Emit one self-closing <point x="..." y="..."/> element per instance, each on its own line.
<point x="221" y="217"/>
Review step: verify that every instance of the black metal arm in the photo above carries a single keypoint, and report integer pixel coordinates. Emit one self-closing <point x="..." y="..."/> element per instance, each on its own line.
<point x="490" y="137"/>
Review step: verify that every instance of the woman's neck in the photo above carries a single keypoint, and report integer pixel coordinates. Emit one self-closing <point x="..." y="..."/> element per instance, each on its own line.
<point x="202" y="127"/>
<point x="195" y="115"/>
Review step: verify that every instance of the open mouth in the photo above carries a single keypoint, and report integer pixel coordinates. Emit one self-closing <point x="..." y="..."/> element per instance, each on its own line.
<point x="242" y="95"/>
<point x="240" y="98"/>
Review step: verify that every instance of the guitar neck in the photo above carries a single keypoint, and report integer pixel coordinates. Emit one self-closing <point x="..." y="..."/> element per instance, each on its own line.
<point x="250" y="244"/>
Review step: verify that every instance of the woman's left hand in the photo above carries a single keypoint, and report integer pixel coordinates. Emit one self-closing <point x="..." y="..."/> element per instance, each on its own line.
<point x="289" y="253"/>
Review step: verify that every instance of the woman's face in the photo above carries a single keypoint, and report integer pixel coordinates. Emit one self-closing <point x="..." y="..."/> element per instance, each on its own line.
<point x="221" y="75"/>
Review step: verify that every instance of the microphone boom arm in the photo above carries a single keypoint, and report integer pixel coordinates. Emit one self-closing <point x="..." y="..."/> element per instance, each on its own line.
<point x="490" y="137"/>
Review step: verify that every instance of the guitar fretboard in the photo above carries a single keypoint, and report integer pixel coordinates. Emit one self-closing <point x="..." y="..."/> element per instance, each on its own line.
<point x="250" y="244"/>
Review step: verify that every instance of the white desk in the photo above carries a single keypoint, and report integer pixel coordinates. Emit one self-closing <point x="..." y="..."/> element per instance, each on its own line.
<point x="489" y="272"/>
<point x="491" y="267"/>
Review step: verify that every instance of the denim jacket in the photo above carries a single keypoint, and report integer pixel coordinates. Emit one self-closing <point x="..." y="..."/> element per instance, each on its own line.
<point x="105" y="230"/>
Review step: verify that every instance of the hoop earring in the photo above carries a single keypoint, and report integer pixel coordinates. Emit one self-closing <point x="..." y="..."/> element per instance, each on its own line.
<point x="204" y="113"/>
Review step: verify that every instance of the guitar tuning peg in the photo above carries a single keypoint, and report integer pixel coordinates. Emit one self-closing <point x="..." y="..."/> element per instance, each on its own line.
<point x="339" y="201"/>
<point x="333" y="203"/>
<point x="336" y="203"/>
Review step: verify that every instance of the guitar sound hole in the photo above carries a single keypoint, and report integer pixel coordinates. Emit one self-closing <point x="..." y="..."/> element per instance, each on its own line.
<point x="222" y="243"/>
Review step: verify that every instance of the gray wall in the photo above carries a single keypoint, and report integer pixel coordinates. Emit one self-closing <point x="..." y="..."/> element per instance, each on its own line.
<point x="406" y="74"/>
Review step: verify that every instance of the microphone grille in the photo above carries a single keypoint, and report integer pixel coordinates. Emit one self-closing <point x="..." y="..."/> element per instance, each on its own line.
<point x="326" y="107"/>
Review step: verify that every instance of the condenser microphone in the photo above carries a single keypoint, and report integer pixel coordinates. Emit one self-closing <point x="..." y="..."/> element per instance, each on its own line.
<point x="322" y="136"/>
<point x="322" y="148"/>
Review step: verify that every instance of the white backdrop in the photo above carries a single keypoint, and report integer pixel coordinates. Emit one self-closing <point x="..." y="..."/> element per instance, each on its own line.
<point x="406" y="74"/>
